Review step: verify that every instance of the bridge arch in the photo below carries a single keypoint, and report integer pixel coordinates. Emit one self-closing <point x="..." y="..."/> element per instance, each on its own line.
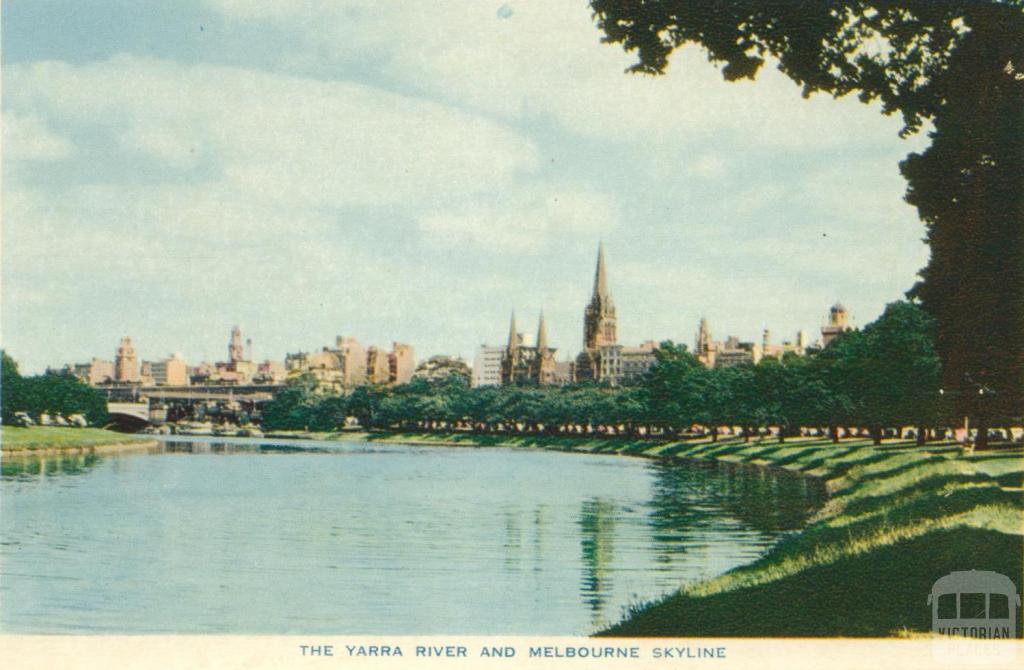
<point x="128" y="417"/>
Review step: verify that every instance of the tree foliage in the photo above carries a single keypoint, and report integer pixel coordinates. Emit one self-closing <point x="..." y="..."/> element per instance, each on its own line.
<point x="886" y="376"/>
<point x="959" y="65"/>
<point x="53" y="393"/>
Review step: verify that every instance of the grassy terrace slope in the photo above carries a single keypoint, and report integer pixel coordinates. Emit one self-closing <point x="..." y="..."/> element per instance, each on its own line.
<point x="38" y="438"/>
<point x="899" y="517"/>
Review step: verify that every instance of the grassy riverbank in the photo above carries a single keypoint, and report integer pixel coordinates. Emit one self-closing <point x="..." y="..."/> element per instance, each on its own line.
<point x="55" y="438"/>
<point x="899" y="517"/>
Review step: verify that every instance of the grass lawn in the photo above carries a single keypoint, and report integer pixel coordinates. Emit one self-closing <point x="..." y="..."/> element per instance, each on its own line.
<point x="898" y="519"/>
<point x="55" y="437"/>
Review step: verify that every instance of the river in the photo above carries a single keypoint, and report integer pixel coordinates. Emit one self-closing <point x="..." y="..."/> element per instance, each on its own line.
<point x="215" y="535"/>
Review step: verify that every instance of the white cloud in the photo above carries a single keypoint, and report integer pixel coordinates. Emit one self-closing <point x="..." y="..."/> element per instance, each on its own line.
<point x="279" y="138"/>
<point x="27" y="137"/>
<point x="525" y="220"/>
<point x="708" y="166"/>
<point x="545" y="58"/>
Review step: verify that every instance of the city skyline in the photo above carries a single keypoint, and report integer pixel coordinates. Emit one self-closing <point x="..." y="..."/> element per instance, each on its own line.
<point x="595" y="335"/>
<point x="145" y="193"/>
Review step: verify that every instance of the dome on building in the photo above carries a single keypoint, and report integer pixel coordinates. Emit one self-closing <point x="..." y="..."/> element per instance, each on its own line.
<point x="838" y="307"/>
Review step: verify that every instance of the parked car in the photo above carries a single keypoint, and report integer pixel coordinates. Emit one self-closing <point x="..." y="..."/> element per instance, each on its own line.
<point x="23" y="419"/>
<point x="77" y="421"/>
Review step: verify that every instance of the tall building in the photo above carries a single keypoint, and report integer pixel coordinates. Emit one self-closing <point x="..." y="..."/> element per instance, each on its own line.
<point x="378" y="371"/>
<point x="126" y="362"/>
<point x="236" y="350"/>
<point x="838" y="322"/>
<point x="401" y="363"/>
<point x="528" y="364"/>
<point x="171" y="371"/>
<point x="487" y="366"/>
<point x="351" y="357"/>
<point x="705" y="348"/>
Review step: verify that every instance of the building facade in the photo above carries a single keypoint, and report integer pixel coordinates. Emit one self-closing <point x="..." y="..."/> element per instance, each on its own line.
<point x="126" y="362"/>
<point x="236" y="350"/>
<point x="401" y="363"/>
<point x="523" y="364"/>
<point x="95" y="372"/>
<point x="378" y="371"/>
<point x="171" y="371"/>
<point x="838" y="322"/>
<point x="487" y="366"/>
<point x="732" y="351"/>
<point x="270" y="372"/>
<point x="349" y="364"/>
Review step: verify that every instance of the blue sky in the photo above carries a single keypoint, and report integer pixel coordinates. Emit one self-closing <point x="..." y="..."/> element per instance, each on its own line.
<point x="412" y="172"/>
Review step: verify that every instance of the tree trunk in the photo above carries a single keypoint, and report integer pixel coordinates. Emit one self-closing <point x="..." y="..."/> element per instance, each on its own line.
<point x="876" y="435"/>
<point x="922" y="435"/>
<point x="981" y="439"/>
<point x="714" y="433"/>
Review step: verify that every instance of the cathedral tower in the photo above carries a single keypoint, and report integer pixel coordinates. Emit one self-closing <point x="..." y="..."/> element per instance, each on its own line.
<point x="599" y="324"/>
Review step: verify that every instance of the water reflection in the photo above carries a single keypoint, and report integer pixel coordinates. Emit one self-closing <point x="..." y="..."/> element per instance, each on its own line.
<point x="364" y="538"/>
<point x="693" y="503"/>
<point x="42" y="466"/>
<point x="204" y="447"/>
<point x="597" y="527"/>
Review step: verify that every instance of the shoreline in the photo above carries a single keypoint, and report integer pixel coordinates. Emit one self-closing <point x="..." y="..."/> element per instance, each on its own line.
<point x="56" y="440"/>
<point x="113" y="447"/>
<point x="894" y="519"/>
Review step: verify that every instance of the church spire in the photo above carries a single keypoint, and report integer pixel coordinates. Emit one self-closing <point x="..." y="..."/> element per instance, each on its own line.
<point x="513" y="337"/>
<point x="542" y="334"/>
<point x="600" y="278"/>
<point x="599" y="316"/>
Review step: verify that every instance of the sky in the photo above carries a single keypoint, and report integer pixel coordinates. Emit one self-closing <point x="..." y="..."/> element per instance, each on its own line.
<point x="415" y="172"/>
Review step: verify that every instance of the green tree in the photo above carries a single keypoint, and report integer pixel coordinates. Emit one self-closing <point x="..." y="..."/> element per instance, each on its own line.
<point x="11" y="389"/>
<point x="958" y="64"/>
<point x="329" y="413"/>
<point x="53" y="393"/>
<point x="673" y="387"/>
<point x="364" y="405"/>
<point x="902" y="370"/>
<point x="291" y="409"/>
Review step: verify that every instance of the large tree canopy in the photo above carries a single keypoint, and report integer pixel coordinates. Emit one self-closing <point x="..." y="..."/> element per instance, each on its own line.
<point x="959" y="65"/>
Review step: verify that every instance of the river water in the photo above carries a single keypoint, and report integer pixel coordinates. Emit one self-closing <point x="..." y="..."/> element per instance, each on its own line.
<point x="265" y="536"/>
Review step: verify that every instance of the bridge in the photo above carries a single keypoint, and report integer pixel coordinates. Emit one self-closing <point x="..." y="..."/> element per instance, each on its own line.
<point x="129" y="416"/>
<point x="252" y="393"/>
<point x="133" y="407"/>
